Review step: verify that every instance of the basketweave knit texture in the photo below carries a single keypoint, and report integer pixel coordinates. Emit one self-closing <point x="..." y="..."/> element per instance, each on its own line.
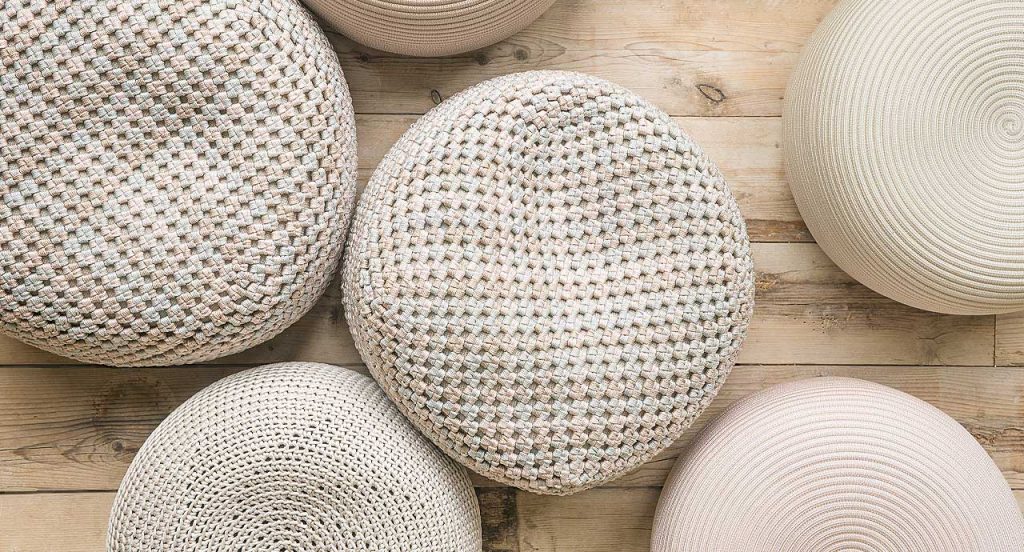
<point x="177" y="176"/>
<point x="293" y="457"/>
<point x="550" y="278"/>
<point x="904" y="145"/>
<point x="834" y="465"/>
<point x="429" y="27"/>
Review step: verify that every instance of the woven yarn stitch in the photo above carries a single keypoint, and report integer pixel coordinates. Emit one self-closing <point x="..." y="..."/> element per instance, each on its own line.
<point x="293" y="457"/>
<point x="177" y="176"/>
<point x="834" y="465"/>
<point x="429" y="27"/>
<point x="904" y="145"/>
<point x="550" y="278"/>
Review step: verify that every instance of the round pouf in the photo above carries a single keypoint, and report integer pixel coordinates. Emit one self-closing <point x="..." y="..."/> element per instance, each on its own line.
<point x="835" y="465"/>
<point x="293" y="457"/>
<point x="177" y="177"/>
<point x="549" y="278"/>
<point x="429" y="27"/>
<point x="904" y="142"/>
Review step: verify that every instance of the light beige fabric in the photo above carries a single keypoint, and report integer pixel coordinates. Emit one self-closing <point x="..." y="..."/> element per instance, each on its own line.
<point x="550" y="278"/>
<point x="298" y="458"/>
<point x="836" y="465"/>
<point x="904" y="142"/>
<point x="177" y="177"/>
<point x="429" y="27"/>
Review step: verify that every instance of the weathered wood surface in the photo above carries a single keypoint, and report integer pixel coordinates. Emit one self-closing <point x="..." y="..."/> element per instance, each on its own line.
<point x="68" y="432"/>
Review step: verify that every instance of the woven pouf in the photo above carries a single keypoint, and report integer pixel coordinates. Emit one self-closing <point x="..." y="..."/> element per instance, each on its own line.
<point x="293" y="457"/>
<point x="549" y="278"/>
<point x="429" y="27"/>
<point x="904" y="142"/>
<point x="177" y="177"/>
<point x="836" y="465"/>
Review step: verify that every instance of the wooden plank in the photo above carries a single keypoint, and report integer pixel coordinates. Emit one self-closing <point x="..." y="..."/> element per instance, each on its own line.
<point x="599" y="520"/>
<point x="64" y="522"/>
<point x="1010" y="339"/>
<point x="808" y="312"/>
<point x="731" y="59"/>
<point x="747" y="149"/>
<point x="97" y="418"/>
<point x="811" y="312"/>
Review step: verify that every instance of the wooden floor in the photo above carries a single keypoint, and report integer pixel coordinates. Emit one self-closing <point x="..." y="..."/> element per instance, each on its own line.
<point x="67" y="434"/>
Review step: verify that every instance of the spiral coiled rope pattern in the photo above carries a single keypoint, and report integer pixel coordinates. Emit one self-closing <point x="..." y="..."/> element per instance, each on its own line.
<point x="834" y="465"/>
<point x="904" y="144"/>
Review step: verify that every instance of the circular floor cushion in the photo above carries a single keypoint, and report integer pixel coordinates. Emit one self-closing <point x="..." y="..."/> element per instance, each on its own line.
<point x="296" y="457"/>
<point x="177" y="177"/>
<point x="904" y="141"/>
<point x="550" y="278"/>
<point x="429" y="27"/>
<point x="835" y="464"/>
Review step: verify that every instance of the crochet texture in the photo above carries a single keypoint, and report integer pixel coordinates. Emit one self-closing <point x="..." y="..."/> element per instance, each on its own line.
<point x="293" y="457"/>
<point x="549" y="278"/>
<point x="177" y="177"/>
<point x="904" y="144"/>
<point x="835" y="465"/>
<point x="429" y="27"/>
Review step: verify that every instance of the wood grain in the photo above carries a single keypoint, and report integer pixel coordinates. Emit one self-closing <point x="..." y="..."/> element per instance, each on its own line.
<point x="690" y="58"/>
<point x="1010" y="339"/>
<point x="97" y="418"/>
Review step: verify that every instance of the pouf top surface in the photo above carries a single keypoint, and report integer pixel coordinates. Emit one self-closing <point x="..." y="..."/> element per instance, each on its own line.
<point x="293" y="457"/>
<point x="550" y="278"/>
<point x="177" y="177"/>
<point x="429" y="27"/>
<point x="904" y="144"/>
<point x="832" y="465"/>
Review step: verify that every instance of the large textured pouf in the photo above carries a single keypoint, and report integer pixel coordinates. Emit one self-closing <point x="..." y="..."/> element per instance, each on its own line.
<point x="177" y="177"/>
<point x="293" y="457"/>
<point x="429" y="27"/>
<point x="549" y="278"/>
<point x="836" y="465"/>
<point x="904" y="141"/>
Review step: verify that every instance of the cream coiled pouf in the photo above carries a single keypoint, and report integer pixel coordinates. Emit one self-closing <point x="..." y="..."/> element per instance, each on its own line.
<point x="550" y="279"/>
<point x="836" y="465"/>
<point x="904" y="142"/>
<point x="177" y="177"/>
<point x="293" y="457"/>
<point x="429" y="27"/>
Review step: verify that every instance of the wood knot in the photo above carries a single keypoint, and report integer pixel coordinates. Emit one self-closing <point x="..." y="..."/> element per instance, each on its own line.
<point x="714" y="94"/>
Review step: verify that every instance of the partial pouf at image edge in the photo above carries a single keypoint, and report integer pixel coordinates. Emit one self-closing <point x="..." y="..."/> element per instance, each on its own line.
<point x="298" y="456"/>
<point x="835" y="464"/>
<point x="429" y="28"/>
<point x="177" y="179"/>
<point x="549" y="278"/>
<point x="904" y="148"/>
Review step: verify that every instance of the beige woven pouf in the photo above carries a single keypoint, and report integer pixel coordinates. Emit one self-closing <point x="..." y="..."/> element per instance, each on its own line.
<point x="429" y="27"/>
<point x="550" y="278"/>
<point x="177" y="177"/>
<point x="836" y="465"/>
<point x="904" y="142"/>
<point x="293" y="457"/>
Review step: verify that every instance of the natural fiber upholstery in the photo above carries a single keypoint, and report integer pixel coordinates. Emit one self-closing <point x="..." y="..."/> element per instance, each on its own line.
<point x="293" y="457"/>
<point x="429" y="27"/>
<point x="177" y="177"/>
<point x="550" y="278"/>
<point x="833" y="465"/>
<point x="904" y="141"/>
